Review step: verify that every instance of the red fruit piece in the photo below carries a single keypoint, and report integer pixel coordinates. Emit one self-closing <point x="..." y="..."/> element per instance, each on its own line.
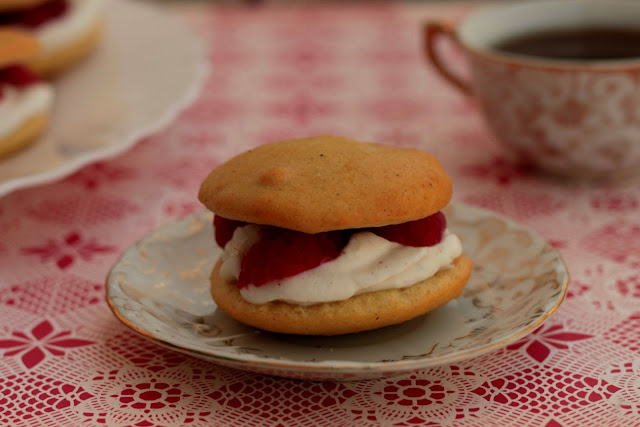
<point x="36" y="16"/>
<point x="224" y="228"/>
<point x="18" y="76"/>
<point x="422" y="232"/>
<point x="284" y="253"/>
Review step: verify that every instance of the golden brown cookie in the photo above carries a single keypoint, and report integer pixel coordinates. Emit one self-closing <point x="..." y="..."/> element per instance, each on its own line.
<point x="16" y="46"/>
<point x="57" y="61"/>
<point x="18" y="4"/>
<point x="27" y="133"/>
<point x="360" y="313"/>
<point x="327" y="183"/>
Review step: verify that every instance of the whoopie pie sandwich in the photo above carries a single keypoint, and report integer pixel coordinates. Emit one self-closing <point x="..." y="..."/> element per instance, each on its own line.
<point x="25" y="100"/>
<point x="67" y="30"/>
<point x="328" y="236"/>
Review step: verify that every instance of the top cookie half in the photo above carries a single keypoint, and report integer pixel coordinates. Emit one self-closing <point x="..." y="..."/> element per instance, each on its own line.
<point x="18" y="4"/>
<point x="327" y="183"/>
<point x="16" y="46"/>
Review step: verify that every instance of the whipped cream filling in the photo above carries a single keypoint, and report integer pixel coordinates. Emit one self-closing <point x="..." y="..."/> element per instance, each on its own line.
<point x="368" y="263"/>
<point x="20" y="104"/>
<point x="80" y="18"/>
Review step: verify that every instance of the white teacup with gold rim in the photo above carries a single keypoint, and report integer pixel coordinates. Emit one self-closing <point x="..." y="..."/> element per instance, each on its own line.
<point x="558" y="81"/>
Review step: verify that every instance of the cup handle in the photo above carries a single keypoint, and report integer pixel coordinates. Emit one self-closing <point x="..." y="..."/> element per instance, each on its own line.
<point x="433" y="31"/>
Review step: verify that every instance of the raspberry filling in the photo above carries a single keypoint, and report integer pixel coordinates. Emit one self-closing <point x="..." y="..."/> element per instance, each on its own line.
<point x="285" y="253"/>
<point x="18" y="76"/>
<point x="282" y="253"/>
<point x="422" y="232"/>
<point x="224" y="228"/>
<point x="36" y="16"/>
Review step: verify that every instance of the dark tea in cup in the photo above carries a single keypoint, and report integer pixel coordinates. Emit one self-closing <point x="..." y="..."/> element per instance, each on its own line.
<point x="580" y="44"/>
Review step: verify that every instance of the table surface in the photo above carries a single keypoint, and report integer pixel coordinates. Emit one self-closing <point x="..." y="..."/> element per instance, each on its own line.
<point x="294" y="71"/>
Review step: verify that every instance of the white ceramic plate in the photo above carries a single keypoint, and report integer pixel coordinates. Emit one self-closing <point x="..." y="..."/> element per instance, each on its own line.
<point x="148" y="67"/>
<point x="160" y="288"/>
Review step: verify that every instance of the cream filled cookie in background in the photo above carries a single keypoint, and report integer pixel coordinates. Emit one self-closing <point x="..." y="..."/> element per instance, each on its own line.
<point x="67" y="30"/>
<point x="25" y="100"/>
<point x="328" y="235"/>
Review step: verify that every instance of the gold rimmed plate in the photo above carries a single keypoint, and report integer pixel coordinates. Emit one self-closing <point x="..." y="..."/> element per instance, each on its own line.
<point x="160" y="289"/>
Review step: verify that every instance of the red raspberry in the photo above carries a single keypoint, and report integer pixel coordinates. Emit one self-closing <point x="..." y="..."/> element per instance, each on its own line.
<point x="224" y="228"/>
<point x="18" y="76"/>
<point x="422" y="232"/>
<point x="35" y="16"/>
<point x="284" y="253"/>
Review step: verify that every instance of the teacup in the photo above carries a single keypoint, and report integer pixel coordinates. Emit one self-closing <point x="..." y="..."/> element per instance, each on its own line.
<point x="574" y="117"/>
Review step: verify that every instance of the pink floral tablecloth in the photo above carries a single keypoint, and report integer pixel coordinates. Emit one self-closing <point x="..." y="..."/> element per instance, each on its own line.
<point x="278" y="72"/>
